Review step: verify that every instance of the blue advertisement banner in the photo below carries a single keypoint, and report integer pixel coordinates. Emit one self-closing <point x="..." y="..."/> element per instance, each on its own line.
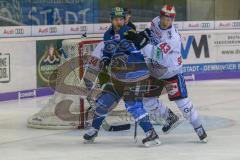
<point x="48" y="12"/>
<point x="212" y="67"/>
<point x="212" y="71"/>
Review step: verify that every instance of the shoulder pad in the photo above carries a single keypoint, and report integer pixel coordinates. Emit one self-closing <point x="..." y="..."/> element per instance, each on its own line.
<point x="155" y="21"/>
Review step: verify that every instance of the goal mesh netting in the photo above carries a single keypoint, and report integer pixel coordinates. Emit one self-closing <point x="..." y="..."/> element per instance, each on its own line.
<point x="57" y="114"/>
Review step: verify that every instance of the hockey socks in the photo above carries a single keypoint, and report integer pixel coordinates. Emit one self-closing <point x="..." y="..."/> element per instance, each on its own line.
<point x="145" y="124"/>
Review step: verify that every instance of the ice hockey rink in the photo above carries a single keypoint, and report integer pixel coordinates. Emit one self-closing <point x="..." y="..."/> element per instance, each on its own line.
<point x="217" y="101"/>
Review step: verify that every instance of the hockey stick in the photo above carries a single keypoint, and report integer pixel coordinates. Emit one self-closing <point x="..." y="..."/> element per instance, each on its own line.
<point x="135" y="132"/>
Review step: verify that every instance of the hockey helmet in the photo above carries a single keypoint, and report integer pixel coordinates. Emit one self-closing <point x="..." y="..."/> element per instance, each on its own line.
<point x="117" y="12"/>
<point x="168" y="11"/>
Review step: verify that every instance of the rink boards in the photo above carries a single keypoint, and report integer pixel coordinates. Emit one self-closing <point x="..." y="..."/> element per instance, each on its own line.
<point x="207" y="54"/>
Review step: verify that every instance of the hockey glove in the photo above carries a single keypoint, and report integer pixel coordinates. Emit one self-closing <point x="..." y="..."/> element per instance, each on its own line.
<point x="138" y="40"/>
<point x="104" y="63"/>
<point x="146" y="33"/>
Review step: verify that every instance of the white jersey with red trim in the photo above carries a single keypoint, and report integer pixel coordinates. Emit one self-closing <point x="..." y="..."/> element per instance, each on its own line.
<point x="165" y="50"/>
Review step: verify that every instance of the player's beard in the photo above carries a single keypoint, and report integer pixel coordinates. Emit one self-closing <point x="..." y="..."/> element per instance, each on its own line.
<point x="118" y="27"/>
<point x="118" y="23"/>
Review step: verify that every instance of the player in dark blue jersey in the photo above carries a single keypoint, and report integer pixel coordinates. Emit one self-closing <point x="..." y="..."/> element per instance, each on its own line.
<point x="128" y="69"/>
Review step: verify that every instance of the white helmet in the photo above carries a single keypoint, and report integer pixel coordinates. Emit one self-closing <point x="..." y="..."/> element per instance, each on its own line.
<point x="169" y="11"/>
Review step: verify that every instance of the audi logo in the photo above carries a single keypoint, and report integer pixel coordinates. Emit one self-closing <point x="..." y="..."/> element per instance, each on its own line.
<point x="205" y="25"/>
<point x="83" y="28"/>
<point x="19" y="31"/>
<point x="236" y="24"/>
<point x="53" y="30"/>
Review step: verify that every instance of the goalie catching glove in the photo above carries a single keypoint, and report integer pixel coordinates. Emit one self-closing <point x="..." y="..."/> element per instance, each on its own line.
<point x="140" y="40"/>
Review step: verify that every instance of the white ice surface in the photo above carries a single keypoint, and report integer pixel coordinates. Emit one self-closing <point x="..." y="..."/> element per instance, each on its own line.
<point x="218" y="103"/>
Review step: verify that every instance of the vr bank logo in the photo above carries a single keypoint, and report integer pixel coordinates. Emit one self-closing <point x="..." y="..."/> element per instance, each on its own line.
<point x="197" y="47"/>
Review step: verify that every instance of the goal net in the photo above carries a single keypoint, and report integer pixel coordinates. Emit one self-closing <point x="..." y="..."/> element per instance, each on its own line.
<point x="67" y="111"/>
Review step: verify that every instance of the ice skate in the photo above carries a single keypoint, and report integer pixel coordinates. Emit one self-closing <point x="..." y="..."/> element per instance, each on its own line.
<point x="172" y="122"/>
<point x="201" y="134"/>
<point x="90" y="135"/>
<point x="151" y="139"/>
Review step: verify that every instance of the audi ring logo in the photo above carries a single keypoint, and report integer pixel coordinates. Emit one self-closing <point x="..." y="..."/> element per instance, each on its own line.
<point x="205" y="25"/>
<point x="236" y="24"/>
<point x="53" y="30"/>
<point x="83" y="28"/>
<point x="19" y="31"/>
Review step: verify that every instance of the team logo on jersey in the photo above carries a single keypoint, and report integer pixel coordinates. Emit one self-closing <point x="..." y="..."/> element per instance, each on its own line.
<point x="117" y="37"/>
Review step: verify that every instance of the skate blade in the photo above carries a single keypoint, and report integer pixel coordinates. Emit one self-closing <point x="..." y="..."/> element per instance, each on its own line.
<point x="155" y="142"/>
<point x="88" y="141"/>
<point x="175" y="125"/>
<point x="205" y="140"/>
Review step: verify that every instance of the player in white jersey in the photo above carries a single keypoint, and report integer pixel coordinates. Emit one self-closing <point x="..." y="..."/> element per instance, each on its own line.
<point x="161" y="46"/>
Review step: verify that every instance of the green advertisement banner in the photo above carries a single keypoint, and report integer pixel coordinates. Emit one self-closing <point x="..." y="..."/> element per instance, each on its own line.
<point x="48" y="59"/>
